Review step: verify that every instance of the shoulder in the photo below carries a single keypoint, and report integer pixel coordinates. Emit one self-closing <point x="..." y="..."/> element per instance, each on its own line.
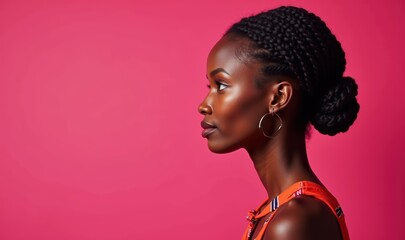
<point x="303" y="218"/>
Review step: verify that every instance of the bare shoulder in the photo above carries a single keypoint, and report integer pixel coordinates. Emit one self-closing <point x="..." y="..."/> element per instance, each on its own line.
<point x="303" y="218"/>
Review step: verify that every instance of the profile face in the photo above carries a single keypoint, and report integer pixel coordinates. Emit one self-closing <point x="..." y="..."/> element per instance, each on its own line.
<point x="234" y="105"/>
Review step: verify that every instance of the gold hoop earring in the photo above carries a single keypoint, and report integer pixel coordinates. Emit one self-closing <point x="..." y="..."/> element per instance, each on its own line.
<point x="272" y="113"/>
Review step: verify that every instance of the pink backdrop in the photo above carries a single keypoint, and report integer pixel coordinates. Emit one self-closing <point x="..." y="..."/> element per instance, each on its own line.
<point x="100" y="135"/>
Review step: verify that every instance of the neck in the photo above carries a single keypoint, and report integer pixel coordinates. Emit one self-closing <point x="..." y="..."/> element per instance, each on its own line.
<point x="282" y="161"/>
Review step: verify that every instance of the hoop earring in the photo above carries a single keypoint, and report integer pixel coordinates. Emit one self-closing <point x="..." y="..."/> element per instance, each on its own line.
<point x="272" y="113"/>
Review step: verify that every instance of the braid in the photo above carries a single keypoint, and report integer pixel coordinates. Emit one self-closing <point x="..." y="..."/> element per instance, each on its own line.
<point x="290" y="40"/>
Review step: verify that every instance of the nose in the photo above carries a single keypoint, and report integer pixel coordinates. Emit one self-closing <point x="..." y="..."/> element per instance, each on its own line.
<point x="205" y="108"/>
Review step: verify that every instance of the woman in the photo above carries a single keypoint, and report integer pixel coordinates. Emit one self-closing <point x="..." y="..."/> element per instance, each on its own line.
<point x="271" y="76"/>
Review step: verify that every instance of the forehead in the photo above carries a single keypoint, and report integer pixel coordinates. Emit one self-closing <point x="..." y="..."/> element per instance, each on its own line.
<point x="225" y="54"/>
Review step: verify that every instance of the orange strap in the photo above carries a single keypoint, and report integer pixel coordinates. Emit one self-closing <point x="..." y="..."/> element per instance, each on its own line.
<point x="299" y="188"/>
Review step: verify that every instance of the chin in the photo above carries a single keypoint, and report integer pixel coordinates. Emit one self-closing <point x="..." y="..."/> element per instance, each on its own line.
<point x="217" y="148"/>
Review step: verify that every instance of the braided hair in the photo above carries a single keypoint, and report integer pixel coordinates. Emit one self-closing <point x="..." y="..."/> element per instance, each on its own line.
<point x="292" y="41"/>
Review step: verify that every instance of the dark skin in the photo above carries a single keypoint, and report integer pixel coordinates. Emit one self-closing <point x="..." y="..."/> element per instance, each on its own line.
<point x="234" y="106"/>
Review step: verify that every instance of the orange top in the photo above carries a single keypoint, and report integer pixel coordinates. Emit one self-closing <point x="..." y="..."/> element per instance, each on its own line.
<point x="299" y="188"/>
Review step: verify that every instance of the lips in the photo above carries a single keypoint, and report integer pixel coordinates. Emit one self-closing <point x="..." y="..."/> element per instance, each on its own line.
<point x="208" y="129"/>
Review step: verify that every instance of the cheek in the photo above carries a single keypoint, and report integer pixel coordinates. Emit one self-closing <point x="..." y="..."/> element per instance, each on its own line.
<point x="240" y="113"/>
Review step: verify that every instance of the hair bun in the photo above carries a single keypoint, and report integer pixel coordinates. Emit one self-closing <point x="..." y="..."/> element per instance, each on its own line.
<point x="337" y="109"/>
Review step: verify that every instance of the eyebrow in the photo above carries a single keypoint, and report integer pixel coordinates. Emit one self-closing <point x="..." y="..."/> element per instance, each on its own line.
<point x="218" y="70"/>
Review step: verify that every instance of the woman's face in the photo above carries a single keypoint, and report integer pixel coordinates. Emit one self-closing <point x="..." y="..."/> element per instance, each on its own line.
<point x="234" y="105"/>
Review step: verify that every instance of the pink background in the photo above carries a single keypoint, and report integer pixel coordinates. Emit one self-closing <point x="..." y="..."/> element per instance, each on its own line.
<point x="100" y="135"/>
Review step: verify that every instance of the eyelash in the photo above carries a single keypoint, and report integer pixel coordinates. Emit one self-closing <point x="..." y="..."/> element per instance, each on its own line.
<point x="219" y="84"/>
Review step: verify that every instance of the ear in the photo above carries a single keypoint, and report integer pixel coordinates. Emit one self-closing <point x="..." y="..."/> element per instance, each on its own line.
<point x="280" y="95"/>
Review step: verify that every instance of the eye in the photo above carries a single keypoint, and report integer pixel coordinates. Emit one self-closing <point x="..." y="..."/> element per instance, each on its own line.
<point x="221" y="86"/>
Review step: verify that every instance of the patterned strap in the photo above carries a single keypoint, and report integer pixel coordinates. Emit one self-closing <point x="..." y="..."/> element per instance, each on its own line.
<point x="300" y="188"/>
